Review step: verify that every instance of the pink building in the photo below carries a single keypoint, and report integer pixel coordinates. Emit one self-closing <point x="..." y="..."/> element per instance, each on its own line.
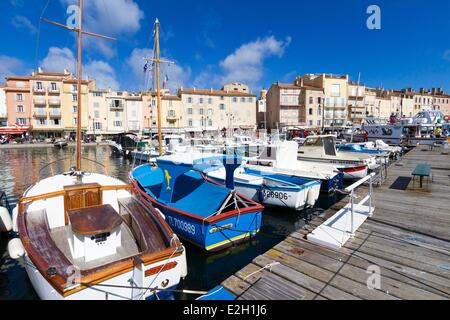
<point x="18" y="101"/>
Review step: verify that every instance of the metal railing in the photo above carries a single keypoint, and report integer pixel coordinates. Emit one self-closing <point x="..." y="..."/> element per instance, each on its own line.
<point x="351" y="191"/>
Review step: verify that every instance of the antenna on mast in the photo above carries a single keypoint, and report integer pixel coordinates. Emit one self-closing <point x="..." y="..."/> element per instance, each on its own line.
<point x="79" y="30"/>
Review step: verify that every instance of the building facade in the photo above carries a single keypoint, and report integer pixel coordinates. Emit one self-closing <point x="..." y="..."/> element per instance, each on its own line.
<point x="3" y="109"/>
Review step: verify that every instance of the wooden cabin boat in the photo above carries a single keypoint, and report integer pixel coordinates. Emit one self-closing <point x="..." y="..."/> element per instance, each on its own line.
<point x="209" y="215"/>
<point x="85" y="237"/>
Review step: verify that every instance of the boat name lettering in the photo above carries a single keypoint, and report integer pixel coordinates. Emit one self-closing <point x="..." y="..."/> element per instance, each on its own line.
<point x="181" y="225"/>
<point x="275" y="194"/>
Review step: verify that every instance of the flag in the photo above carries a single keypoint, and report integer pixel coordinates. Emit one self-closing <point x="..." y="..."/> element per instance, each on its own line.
<point x="166" y="79"/>
<point x="146" y="67"/>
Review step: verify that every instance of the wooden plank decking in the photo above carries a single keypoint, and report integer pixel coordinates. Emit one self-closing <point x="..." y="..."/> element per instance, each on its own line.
<point x="408" y="238"/>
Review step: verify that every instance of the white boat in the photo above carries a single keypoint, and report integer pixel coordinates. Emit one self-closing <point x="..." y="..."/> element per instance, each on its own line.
<point x="270" y="191"/>
<point x="279" y="161"/>
<point x="323" y="149"/>
<point x="406" y="131"/>
<point x="84" y="236"/>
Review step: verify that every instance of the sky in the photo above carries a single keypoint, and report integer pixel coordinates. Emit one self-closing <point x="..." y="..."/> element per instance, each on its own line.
<point x="212" y="42"/>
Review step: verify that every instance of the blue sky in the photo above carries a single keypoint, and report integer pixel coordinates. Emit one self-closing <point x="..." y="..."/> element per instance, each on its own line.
<point x="257" y="42"/>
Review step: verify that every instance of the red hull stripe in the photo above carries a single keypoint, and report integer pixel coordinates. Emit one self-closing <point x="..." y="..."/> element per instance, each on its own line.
<point x="355" y="169"/>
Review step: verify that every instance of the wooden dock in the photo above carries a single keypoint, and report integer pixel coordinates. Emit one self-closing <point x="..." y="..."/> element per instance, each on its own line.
<point x="408" y="239"/>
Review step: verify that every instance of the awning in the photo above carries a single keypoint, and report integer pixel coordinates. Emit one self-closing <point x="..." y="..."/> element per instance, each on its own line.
<point x="14" y="130"/>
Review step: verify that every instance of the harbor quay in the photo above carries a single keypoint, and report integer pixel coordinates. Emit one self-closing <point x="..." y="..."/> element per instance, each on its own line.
<point x="401" y="252"/>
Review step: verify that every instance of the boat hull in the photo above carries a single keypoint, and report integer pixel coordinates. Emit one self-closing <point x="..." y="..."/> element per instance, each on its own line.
<point x="212" y="237"/>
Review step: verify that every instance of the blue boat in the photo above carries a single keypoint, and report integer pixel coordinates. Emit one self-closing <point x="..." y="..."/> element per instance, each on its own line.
<point x="209" y="215"/>
<point x="356" y="147"/>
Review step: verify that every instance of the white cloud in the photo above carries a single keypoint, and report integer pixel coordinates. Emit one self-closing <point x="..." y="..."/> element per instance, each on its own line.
<point x="21" y="22"/>
<point x="115" y="18"/>
<point x="179" y="76"/>
<point x="59" y="59"/>
<point x="103" y="73"/>
<point x="245" y="64"/>
<point x="9" y="66"/>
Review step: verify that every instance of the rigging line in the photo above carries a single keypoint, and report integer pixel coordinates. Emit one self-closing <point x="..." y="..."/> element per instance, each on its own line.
<point x="38" y="37"/>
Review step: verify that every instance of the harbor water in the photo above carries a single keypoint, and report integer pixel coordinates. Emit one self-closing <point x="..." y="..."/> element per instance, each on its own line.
<point x="21" y="168"/>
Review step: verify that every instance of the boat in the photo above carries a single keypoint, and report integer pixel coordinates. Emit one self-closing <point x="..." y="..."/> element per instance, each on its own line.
<point x="60" y="143"/>
<point x="322" y="149"/>
<point x="270" y="191"/>
<point x="413" y="131"/>
<point x="123" y="144"/>
<point x="85" y="236"/>
<point x="207" y="214"/>
<point x="279" y="161"/>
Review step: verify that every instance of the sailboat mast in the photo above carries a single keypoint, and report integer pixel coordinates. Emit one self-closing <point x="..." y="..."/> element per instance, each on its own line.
<point x="158" y="84"/>
<point x="79" y="78"/>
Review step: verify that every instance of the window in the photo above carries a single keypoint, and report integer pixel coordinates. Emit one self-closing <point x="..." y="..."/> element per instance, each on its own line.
<point x="310" y="123"/>
<point x="311" y="100"/>
<point x="74" y="88"/>
<point x="53" y="86"/>
<point x="190" y="111"/>
<point x="335" y="90"/>
<point x="21" y="121"/>
<point x="189" y="100"/>
<point x="250" y="99"/>
<point x="242" y="99"/>
<point x="20" y="109"/>
<point x="74" y="97"/>
<point x="343" y="102"/>
<point x="318" y="122"/>
<point x="41" y="122"/>
<point x="56" y="122"/>
<point x="319" y="111"/>
<point x="222" y="106"/>
<point x="222" y="98"/>
<point x="201" y="111"/>
<point x="117" y="123"/>
<point x="201" y="100"/>
<point x="39" y="85"/>
<point x="335" y="102"/>
<point x="117" y="114"/>
<point x="97" y="114"/>
<point x="210" y="123"/>
<point x="75" y="109"/>
<point x="210" y="112"/>
<point x="235" y="99"/>
<point x="98" y="94"/>
<point x="210" y="101"/>
<point x="97" y="126"/>
<point x="171" y="113"/>
<point x="310" y="111"/>
<point x="74" y="121"/>
<point x="19" y="97"/>
<point x="96" y="105"/>
<point x="319" y="100"/>
<point x="190" y="122"/>
<point x="328" y="102"/>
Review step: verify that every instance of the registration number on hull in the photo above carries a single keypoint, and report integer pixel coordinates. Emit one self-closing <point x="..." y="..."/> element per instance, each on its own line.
<point x="275" y="195"/>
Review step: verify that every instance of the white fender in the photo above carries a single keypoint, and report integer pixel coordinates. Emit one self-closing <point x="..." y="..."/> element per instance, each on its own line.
<point x="183" y="262"/>
<point x="16" y="249"/>
<point x="15" y="214"/>
<point x="310" y="198"/>
<point x="5" y="220"/>
<point x="162" y="215"/>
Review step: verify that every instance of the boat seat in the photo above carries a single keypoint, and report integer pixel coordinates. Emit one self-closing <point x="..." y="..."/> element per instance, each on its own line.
<point x="47" y="250"/>
<point x="94" y="220"/>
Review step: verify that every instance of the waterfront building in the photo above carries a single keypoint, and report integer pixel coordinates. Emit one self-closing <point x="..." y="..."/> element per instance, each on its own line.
<point x="115" y="102"/>
<point x="441" y="101"/>
<point x="233" y="107"/>
<point x="370" y="101"/>
<point x="383" y="105"/>
<point x="98" y="113"/>
<point x="357" y="107"/>
<point x="134" y="121"/>
<point x="261" y="109"/>
<point x="335" y="89"/>
<point x="3" y="110"/>
<point x="423" y="100"/>
<point x="18" y="101"/>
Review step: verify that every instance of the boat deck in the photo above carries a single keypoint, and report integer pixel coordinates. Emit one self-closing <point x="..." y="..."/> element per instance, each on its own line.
<point x="407" y="239"/>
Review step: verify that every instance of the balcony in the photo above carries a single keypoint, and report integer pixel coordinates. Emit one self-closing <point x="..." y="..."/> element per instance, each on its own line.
<point x="40" y="114"/>
<point x="55" y="114"/>
<point x="38" y="90"/>
<point x="40" y="101"/>
<point x="116" y="106"/>
<point x="171" y="118"/>
<point x="54" y="102"/>
<point x="53" y="90"/>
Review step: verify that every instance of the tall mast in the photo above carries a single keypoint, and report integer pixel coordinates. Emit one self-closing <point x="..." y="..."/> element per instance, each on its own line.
<point x="79" y="30"/>
<point x="79" y="79"/>
<point x="158" y="84"/>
